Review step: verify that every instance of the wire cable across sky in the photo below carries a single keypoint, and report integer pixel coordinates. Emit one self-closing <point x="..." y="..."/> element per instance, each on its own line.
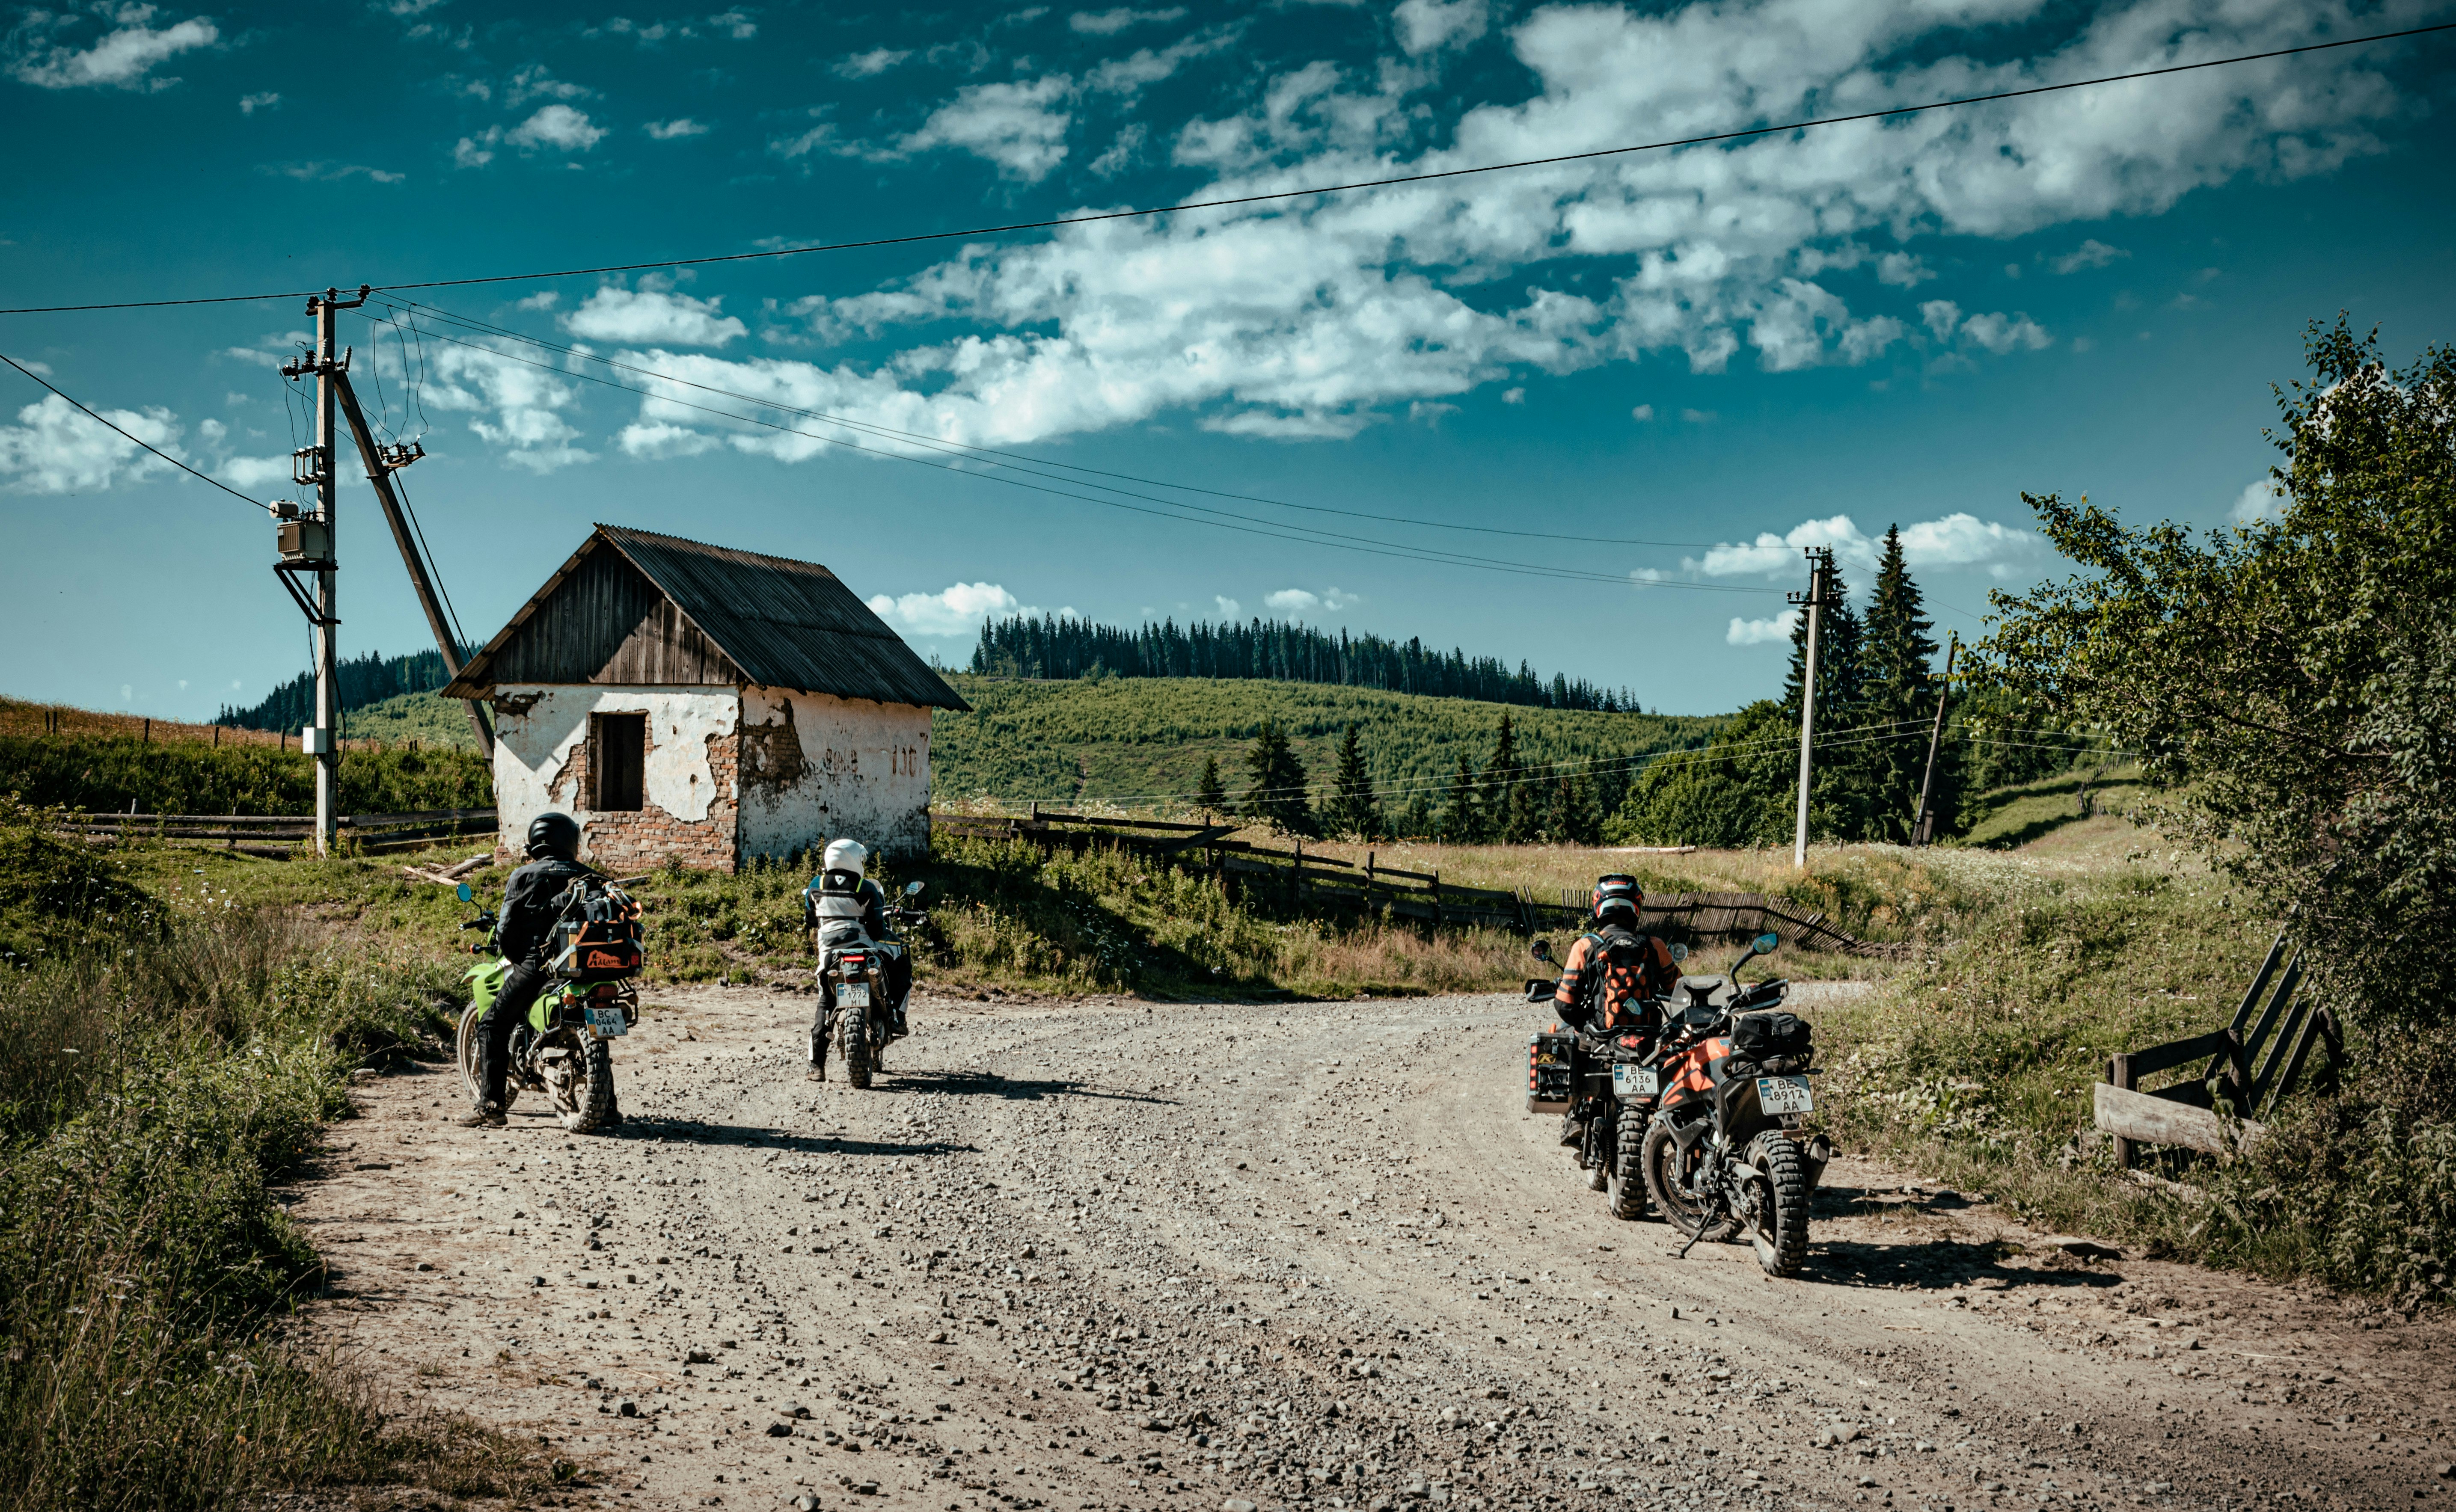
<point x="1011" y="228"/>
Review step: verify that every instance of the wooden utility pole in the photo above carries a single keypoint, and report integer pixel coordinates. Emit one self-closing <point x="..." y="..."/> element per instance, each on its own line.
<point x="1820" y="567"/>
<point x="380" y="465"/>
<point x="321" y="738"/>
<point x="1923" y="828"/>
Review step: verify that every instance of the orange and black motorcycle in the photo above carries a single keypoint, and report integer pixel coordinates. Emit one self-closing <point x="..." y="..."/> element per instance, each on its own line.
<point x="1724" y="1152"/>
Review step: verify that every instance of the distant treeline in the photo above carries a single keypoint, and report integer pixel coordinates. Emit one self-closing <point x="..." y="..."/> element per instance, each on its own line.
<point x="1057" y="647"/>
<point x="365" y="680"/>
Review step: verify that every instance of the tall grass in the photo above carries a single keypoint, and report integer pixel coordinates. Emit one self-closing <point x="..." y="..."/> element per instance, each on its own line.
<point x="112" y="773"/>
<point x="148" y="1092"/>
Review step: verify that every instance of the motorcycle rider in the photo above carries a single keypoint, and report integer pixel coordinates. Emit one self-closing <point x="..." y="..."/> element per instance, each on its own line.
<point x="1614" y="975"/>
<point x="842" y="909"/>
<point x="523" y="929"/>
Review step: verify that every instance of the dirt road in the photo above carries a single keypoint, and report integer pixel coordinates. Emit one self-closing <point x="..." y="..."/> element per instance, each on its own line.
<point x="1106" y="1255"/>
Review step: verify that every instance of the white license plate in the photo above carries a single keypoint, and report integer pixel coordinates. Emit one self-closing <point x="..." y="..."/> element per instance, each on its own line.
<point x="607" y="1023"/>
<point x="1784" y="1094"/>
<point x="1635" y="1082"/>
<point x="853" y="995"/>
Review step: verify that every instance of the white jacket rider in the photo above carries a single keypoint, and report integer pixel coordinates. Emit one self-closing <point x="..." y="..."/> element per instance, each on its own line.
<point x="843" y="910"/>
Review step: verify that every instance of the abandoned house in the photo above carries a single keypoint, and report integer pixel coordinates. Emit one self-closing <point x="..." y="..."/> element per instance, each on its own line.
<point x="689" y="701"/>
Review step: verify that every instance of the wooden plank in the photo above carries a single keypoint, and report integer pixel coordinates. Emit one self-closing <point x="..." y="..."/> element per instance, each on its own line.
<point x="2166" y="1058"/>
<point x="2286" y="981"/>
<point x="2119" y="1075"/>
<point x="420" y="816"/>
<point x="1128" y="824"/>
<point x="2276" y="1088"/>
<point x="2143" y="1119"/>
<point x="2260" y="980"/>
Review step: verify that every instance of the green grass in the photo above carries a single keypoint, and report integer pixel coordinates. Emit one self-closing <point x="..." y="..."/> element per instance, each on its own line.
<point x="2009" y="818"/>
<point x="109" y="773"/>
<point x="427" y="717"/>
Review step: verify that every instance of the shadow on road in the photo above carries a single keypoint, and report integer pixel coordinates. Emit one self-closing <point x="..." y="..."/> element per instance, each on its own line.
<point x="1012" y="1088"/>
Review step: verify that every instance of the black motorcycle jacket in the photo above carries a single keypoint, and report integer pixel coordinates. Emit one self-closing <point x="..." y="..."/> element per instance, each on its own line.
<point x="527" y="918"/>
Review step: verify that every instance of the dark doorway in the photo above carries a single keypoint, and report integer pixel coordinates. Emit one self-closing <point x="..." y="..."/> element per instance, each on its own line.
<point x="617" y="749"/>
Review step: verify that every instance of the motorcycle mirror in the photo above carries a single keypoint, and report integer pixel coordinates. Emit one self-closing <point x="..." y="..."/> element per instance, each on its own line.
<point x="911" y="889"/>
<point x="1543" y="950"/>
<point x="1679" y="953"/>
<point x="464" y="893"/>
<point x="1765" y="943"/>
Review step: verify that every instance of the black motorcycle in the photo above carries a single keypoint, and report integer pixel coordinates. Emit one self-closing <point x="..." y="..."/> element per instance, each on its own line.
<point x="1605" y="1086"/>
<point x="853" y="997"/>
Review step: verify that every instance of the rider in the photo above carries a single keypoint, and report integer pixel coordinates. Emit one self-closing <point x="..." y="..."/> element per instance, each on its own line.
<point x="844" y="908"/>
<point x="524" y="930"/>
<point x="1615" y="974"/>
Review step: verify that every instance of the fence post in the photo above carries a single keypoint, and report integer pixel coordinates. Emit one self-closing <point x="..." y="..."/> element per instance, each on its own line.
<point x="1369" y="882"/>
<point x="1296" y="877"/>
<point x="2119" y="1073"/>
<point x="1437" y="900"/>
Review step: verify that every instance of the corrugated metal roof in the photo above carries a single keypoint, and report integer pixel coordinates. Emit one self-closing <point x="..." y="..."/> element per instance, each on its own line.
<point x="786" y="623"/>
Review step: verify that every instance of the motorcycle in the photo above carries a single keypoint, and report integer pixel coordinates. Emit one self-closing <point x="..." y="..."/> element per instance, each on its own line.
<point x="561" y="1049"/>
<point x="1723" y="1152"/>
<point x="853" y="994"/>
<point x="1606" y="1086"/>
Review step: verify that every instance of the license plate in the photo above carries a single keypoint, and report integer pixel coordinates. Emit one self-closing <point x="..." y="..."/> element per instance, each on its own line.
<point x="853" y="995"/>
<point x="1635" y="1082"/>
<point x="607" y="1023"/>
<point x="1784" y="1094"/>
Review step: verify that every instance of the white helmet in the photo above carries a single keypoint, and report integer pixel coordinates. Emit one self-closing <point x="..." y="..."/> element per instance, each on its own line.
<point x="846" y="855"/>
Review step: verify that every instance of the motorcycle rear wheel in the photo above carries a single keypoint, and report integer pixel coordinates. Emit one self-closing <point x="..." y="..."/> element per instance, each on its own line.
<point x="1664" y="1172"/>
<point x="856" y="1032"/>
<point x="585" y="1101"/>
<point x="1629" y="1169"/>
<point x="1780" y="1230"/>
<point x="467" y="1048"/>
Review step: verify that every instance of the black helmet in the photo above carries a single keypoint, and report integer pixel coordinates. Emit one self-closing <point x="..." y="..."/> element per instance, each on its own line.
<point x="554" y="834"/>
<point x="1618" y="896"/>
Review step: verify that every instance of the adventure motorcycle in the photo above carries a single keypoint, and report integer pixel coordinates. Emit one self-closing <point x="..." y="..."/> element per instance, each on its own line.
<point x="1723" y="1152"/>
<point x="1604" y="1085"/>
<point x="561" y="1049"/>
<point x="854" y="994"/>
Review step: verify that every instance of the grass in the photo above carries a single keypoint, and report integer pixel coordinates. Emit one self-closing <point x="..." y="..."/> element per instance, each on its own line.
<point x="109" y="773"/>
<point x="150" y="1086"/>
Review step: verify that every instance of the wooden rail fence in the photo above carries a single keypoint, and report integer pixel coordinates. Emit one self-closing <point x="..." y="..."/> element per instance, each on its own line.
<point x="2253" y="1064"/>
<point x="278" y="836"/>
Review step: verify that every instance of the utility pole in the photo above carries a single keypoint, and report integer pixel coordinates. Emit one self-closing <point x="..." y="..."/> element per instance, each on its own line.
<point x="1922" y="829"/>
<point x="315" y="466"/>
<point x="1820" y="568"/>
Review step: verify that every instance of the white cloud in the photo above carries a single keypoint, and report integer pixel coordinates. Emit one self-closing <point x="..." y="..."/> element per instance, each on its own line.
<point x="1424" y="25"/>
<point x="1229" y="608"/>
<point x="1109" y="23"/>
<point x="1759" y="632"/>
<point x="1516" y="396"/>
<point x="124" y="57"/>
<point x="875" y="61"/>
<point x="735" y="24"/>
<point x="476" y="151"/>
<point x="244" y="473"/>
<point x="535" y="83"/>
<point x="648" y="315"/>
<point x="1644" y="412"/>
<point x="1956" y="541"/>
<point x="957" y="609"/>
<point x="1296" y="601"/>
<point x="654" y="438"/>
<point x="2001" y="333"/>
<point x="514" y="405"/>
<point x="250" y="104"/>
<point x="56" y="449"/>
<point x="679" y="127"/>
<point x="1902" y="271"/>
<point x="2258" y="500"/>
<point x="558" y="126"/>
<point x="2089" y="254"/>
<point x="1020" y="127"/>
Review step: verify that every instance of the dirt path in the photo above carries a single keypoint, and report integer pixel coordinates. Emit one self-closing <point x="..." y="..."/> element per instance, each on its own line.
<point x="1102" y="1255"/>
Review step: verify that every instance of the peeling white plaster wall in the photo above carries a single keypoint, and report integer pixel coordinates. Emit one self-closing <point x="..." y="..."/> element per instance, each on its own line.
<point x="864" y="773"/>
<point x="535" y="747"/>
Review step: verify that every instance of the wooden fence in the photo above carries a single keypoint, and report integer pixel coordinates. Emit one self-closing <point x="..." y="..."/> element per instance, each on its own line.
<point x="2253" y="1064"/>
<point x="1303" y="878"/>
<point x="278" y="837"/>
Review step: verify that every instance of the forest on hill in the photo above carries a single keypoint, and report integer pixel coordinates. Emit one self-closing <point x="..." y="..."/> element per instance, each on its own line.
<point x="365" y="681"/>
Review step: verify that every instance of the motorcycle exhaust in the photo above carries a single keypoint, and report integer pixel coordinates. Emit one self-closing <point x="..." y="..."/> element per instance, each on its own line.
<point x="1818" y="1155"/>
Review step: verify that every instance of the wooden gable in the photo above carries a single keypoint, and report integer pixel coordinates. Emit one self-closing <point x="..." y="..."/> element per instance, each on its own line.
<point x="605" y="623"/>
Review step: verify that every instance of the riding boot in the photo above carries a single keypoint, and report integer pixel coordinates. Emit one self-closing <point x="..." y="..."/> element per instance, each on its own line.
<point x="818" y="1070"/>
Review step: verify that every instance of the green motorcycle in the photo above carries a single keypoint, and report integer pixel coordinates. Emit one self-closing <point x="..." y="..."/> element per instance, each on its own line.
<point x="563" y="1048"/>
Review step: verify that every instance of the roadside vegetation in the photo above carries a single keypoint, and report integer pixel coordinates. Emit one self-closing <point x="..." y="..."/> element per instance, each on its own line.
<point x="162" y="1062"/>
<point x="109" y="773"/>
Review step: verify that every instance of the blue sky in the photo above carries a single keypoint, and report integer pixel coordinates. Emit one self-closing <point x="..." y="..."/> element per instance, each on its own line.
<point x="1726" y="351"/>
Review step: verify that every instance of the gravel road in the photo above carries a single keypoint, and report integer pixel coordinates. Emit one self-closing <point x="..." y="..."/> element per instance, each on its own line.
<point x="1111" y="1255"/>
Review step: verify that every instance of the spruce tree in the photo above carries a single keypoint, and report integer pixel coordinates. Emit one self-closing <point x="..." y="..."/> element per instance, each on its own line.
<point x="1210" y="795"/>
<point x="1276" y="791"/>
<point x="1514" y="808"/>
<point x="1352" y="808"/>
<point x="1463" y="819"/>
<point x="1899" y="693"/>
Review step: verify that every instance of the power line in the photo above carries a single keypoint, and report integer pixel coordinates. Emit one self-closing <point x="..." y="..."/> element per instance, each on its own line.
<point x="1283" y="193"/>
<point x="139" y="439"/>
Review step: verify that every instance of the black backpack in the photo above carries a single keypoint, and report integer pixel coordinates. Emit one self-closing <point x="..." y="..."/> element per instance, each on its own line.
<point x="1770" y="1036"/>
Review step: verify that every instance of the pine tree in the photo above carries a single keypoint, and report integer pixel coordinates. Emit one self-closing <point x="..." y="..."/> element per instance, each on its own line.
<point x="1210" y="795"/>
<point x="1463" y="819"/>
<point x="1840" y="805"/>
<point x="1275" y="794"/>
<point x="1416" y="821"/>
<point x="1352" y="809"/>
<point x="1514" y="808"/>
<point x="1901" y="693"/>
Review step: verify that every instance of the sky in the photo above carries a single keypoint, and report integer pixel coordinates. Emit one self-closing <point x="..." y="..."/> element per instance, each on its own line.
<point x="1584" y="414"/>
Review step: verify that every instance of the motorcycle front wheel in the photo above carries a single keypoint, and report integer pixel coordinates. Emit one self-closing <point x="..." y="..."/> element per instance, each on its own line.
<point x="1780" y="1229"/>
<point x="854" y="1032"/>
<point x="467" y="1047"/>
<point x="1664" y="1174"/>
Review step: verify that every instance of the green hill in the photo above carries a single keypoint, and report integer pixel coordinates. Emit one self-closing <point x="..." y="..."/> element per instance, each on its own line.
<point x="1131" y="741"/>
<point x="1125" y="740"/>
